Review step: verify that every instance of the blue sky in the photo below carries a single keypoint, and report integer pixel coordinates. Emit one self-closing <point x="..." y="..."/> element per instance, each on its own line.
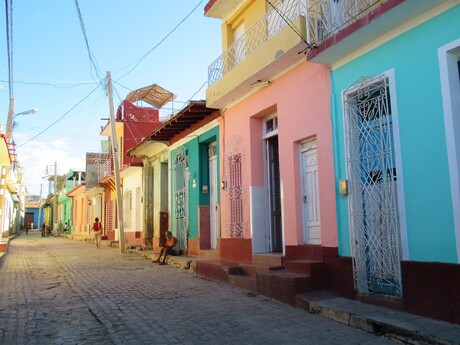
<point x="52" y="70"/>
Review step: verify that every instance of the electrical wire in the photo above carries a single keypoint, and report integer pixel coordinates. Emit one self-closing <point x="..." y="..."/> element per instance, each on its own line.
<point x="288" y="22"/>
<point x="60" y="118"/>
<point x="92" y="58"/>
<point x="158" y="44"/>
<point x="48" y="84"/>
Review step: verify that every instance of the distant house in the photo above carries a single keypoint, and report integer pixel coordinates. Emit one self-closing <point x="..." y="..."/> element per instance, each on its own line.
<point x="132" y="124"/>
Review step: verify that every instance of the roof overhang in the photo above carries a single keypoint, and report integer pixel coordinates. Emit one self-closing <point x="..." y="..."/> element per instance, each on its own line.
<point x="76" y="190"/>
<point x="154" y="95"/>
<point x="147" y="148"/>
<point x="220" y="8"/>
<point x="108" y="182"/>
<point x="194" y="112"/>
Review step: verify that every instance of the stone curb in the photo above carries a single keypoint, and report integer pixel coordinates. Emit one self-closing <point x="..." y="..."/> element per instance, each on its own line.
<point x="400" y="326"/>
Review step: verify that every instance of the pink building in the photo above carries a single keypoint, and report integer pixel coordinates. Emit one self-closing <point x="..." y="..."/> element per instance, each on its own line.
<point x="277" y="171"/>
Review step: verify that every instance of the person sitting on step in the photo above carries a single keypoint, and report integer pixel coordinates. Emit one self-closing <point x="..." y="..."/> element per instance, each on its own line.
<point x="171" y="241"/>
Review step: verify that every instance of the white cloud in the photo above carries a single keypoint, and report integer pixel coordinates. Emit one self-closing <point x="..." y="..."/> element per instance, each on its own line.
<point x="37" y="159"/>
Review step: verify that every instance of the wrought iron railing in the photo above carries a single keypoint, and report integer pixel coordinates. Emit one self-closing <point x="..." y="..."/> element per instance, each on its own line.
<point x="106" y="166"/>
<point x="279" y="15"/>
<point x="327" y="17"/>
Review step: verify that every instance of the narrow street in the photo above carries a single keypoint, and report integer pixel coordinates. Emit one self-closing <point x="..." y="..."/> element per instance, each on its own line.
<point x="60" y="291"/>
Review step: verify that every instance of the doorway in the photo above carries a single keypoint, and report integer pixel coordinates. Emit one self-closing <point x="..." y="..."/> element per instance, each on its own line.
<point x="373" y="196"/>
<point x="212" y="158"/>
<point x="274" y="194"/>
<point x="311" y="219"/>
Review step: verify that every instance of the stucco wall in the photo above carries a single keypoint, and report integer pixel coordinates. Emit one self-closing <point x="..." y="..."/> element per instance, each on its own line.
<point x="301" y="100"/>
<point x="413" y="56"/>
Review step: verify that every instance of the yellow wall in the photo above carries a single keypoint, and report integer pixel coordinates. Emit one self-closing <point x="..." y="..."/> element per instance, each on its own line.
<point x="248" y="14"/>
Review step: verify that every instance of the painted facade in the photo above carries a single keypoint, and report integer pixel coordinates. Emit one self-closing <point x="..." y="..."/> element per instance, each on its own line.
<point x="132" y="124"/>
<point x="177" y="191"/>
<point x="132" y="205"/>
<point x="195" y="189"/>
<point x="81" y="212"/>
<point x="395" y="121"/>
<point x="276" y="166"/>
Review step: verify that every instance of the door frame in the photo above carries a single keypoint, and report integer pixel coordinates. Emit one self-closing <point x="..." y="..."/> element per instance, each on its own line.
<point x="213" y="194"/>
<point x="403" y="242"/>
<point x="270" y="131"/>
<point x="304" y="147"/>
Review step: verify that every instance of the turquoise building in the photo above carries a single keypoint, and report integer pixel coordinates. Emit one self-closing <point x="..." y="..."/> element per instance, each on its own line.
<point x="395" y="112"/>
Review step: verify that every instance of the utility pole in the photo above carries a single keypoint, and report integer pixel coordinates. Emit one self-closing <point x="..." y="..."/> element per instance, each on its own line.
<point x="121" y="238"/>
<point x="9" y="122"/>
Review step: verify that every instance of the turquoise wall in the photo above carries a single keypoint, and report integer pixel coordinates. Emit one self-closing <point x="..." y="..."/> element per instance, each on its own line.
<point x="414" y="58"/>
<point x="197" y="154"/>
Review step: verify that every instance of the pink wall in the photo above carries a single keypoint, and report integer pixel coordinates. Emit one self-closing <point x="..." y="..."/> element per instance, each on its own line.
<point x="301" y="99"/>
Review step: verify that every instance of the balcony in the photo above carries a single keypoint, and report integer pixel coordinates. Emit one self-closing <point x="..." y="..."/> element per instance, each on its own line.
<point x="337" y="28"/>
<point x="266" y="49"/>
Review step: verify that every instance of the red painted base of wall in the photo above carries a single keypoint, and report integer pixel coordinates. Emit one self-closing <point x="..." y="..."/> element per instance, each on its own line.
<point x="336" y="274"/>
<point x="236" y="249"/>
<point x="432" y="289"/>
<point x="3" y="247"/>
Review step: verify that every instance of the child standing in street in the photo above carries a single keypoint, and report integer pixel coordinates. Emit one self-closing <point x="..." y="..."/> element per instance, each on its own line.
<point x="97" y="229"/>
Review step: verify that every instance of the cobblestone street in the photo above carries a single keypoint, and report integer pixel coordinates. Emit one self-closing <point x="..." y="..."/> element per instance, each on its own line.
<point x="60" y="291"/>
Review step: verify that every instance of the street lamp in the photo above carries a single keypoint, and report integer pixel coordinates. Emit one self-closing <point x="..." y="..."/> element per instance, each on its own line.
<point x="30" y="111"/>
<point x="12" y="115"/>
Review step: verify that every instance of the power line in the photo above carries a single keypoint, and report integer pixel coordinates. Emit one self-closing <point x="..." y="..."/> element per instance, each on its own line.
<point x="59" y="119"/>
<point x="158" y="44"/>
<point x="288" y="22"/>
<point x="49" y="84"/>
<point x="91" y="56"/>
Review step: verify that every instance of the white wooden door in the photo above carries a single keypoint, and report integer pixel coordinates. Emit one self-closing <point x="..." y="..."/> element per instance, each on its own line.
<point x="213" y="200"/>
<point x="310" y="193"/>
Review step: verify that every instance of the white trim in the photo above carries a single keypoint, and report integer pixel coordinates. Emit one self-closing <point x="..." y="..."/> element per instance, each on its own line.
<point x="449" y="56"/>
<point x="390" y="74"/>
<point x="272" y="133"/>
<point x="399" y="167"/>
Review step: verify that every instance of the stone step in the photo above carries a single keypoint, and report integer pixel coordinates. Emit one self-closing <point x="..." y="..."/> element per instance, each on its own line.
<point x="303" y="266"/>
<point x="252" y="269"/>
<point x="218" y="269"/>
<point x="270" y="259"/>
<point x="281" y="285"/>
<point x="244" y="282"/>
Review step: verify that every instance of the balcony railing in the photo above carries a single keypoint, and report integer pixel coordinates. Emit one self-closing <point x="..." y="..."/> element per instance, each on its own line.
<point x="327" y="17"/>
<point x="106" y="167"/>
<point x="277" y="18"/>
